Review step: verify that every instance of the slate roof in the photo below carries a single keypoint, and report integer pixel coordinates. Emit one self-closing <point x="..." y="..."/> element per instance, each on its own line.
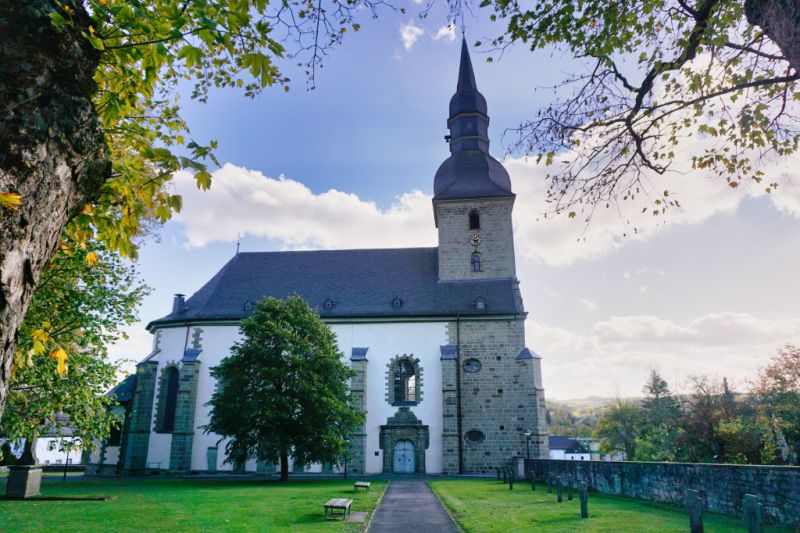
<point x="346" y="284"/>
<point x="467" y="99"/>
<point x="568" y="444"/>
<point x="471" y="174"/>
<point x="123" y="391"/>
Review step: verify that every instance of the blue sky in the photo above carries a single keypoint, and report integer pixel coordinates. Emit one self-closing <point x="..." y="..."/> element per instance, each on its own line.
<point x="711" y="289"/>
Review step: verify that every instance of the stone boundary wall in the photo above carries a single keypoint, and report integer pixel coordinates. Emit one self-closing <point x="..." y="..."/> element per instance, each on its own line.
<point x="722" y="486"/>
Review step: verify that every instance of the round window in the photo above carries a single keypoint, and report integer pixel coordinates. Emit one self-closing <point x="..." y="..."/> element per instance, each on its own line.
<point x="475" y="435"/>
<point x="472" y="365"/>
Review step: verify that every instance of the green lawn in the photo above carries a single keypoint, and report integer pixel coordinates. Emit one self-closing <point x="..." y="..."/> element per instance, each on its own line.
<point x="485" y="506"/>
<point x="176" y="505"/>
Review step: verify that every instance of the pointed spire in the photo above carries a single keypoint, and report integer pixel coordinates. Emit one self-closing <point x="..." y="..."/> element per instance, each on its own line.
<point x="466" y="76"/>
<point x="467" y="98"/>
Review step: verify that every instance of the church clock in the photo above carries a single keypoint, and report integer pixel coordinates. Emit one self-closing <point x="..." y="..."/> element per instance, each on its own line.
<point x="475" y="239"/>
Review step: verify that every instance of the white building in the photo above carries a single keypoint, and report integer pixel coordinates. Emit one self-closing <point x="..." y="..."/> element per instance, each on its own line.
<point x="568" y="449"/>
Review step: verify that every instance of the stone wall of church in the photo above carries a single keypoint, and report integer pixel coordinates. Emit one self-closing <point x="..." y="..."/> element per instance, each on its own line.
<point x="497" y="242"/>
<point x="499" y="400"/>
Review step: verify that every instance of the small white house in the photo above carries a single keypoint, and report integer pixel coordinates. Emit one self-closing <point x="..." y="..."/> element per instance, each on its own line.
<point x="568" y="449"/>
<point x="57" y="450"/>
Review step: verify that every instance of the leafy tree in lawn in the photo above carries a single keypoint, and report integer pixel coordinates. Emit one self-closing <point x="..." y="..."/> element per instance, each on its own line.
<point x="712" y="80"/>
<point x="777" y="389"/>
<point x="91" y="131"/>
<point x="619" y="427"/>
<point x="87" y="294"/>
<point x="283" y="390"/>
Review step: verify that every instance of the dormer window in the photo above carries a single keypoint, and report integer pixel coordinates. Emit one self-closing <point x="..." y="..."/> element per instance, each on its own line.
<point x="397" y="302"/>
<point x="474" y="220"/>
<point x="328" y="304"/>
<point x="480" y="304"/>
<point x="476" y="262"/>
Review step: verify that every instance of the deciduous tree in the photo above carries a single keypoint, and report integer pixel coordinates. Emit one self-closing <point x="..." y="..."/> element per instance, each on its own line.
<point x="618" y="428"/>
<point x="90" y="125"/>
<point x="86" y="296"/>
<point x="284" y="390"/>
<point x="711" y="81"/>
<point x="777" y="389"/>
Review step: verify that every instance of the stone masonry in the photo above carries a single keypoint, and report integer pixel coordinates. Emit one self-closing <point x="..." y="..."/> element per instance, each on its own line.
<point x="137" y="439"/>
<point x="358" y="388"/>
<point x="449" y="414"/>
<point x="180" y="457"/>
<point x="497" y="242"/>
<point x="722" y="487"/>
<point x="501" y="400"/>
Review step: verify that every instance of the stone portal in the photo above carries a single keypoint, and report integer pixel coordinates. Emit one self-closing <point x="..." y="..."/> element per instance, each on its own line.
<point x="404" y="426"/>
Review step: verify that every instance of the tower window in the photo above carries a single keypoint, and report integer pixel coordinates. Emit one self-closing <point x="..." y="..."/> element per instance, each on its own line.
<point x="474" y="220"/>
<point x="476" y="262"/>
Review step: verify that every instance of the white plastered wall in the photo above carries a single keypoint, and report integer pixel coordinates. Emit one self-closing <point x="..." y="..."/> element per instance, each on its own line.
<point x="384" y="340"/>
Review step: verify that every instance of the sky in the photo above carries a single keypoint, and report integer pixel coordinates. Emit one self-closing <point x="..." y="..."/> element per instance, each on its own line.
<point x="709" y="289"/>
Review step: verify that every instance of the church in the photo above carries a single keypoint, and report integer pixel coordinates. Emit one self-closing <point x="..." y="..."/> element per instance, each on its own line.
<point x="435" y="336"/>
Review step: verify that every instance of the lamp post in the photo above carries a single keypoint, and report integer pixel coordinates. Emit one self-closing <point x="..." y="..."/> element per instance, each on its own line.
<point x="527" y="434"/>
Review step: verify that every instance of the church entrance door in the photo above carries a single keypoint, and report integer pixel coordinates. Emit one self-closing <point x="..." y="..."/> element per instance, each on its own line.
<point x="404" y="457"/>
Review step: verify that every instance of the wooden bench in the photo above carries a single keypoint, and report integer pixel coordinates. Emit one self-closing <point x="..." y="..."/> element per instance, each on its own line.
<point x="361" y="485"/>
<point x="335" y="505"/>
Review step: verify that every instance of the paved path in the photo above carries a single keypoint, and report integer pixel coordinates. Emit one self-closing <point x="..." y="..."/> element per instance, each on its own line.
<point x="410" y="506"/>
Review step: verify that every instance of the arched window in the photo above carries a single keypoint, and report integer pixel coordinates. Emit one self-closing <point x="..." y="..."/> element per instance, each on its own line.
<point x="474" y="220"/>
<point x="476" y="262"/>
<point x="405" y="382"/>
<point x="170" y="400"/>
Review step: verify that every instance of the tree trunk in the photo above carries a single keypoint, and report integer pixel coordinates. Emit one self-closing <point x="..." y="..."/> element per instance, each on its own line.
<point x="780" y="20"/>
<point x="284" y="466"/>
<point x="52" y="150"/>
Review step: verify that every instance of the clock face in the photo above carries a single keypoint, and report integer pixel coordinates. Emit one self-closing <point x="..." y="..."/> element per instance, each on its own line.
<point x="475" y="239"/>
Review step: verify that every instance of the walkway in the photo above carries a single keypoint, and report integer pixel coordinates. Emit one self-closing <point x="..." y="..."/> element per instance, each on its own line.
<point x="410" y="506"/>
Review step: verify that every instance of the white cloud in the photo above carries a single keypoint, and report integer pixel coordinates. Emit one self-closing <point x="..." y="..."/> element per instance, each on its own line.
<point x="247" y="202"/>
<point x="410" y="34"/>
<point x="130" y="351"/>
<point x="446" y="32"/>
<point x="588" y="304"/>
<point x="622" y="349"/>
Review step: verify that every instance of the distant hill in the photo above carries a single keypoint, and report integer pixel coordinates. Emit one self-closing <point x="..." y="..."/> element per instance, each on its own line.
<point x="585" y="406"/>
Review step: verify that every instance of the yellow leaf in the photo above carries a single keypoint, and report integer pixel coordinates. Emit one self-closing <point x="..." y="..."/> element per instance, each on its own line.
<point x="88" y="209"/>
<point x="61" y="356"/>
<point x="104" y="3"/>
<point x="40" y="335"/>
<point x="92" y="259"/>
<point x="10" y="200"/>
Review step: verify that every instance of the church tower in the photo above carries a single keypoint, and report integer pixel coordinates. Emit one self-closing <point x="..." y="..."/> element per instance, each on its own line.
<point x="493" y="400"/>
<point x="472" y="192"/>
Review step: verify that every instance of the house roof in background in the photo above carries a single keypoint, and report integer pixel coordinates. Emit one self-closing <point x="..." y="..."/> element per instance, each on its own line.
<point x="567" y="444"/>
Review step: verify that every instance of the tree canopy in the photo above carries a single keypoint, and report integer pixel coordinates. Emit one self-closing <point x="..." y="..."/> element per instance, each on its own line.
<point x="91" y="131"/>
<point x="84" y="300"/>
<point x="283" y="390"/>
<point x="710" y="81"/>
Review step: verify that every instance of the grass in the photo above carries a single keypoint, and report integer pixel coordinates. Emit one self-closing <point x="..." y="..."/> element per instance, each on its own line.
<point x="177" y="505"/>
<point x="487" y="506"/>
